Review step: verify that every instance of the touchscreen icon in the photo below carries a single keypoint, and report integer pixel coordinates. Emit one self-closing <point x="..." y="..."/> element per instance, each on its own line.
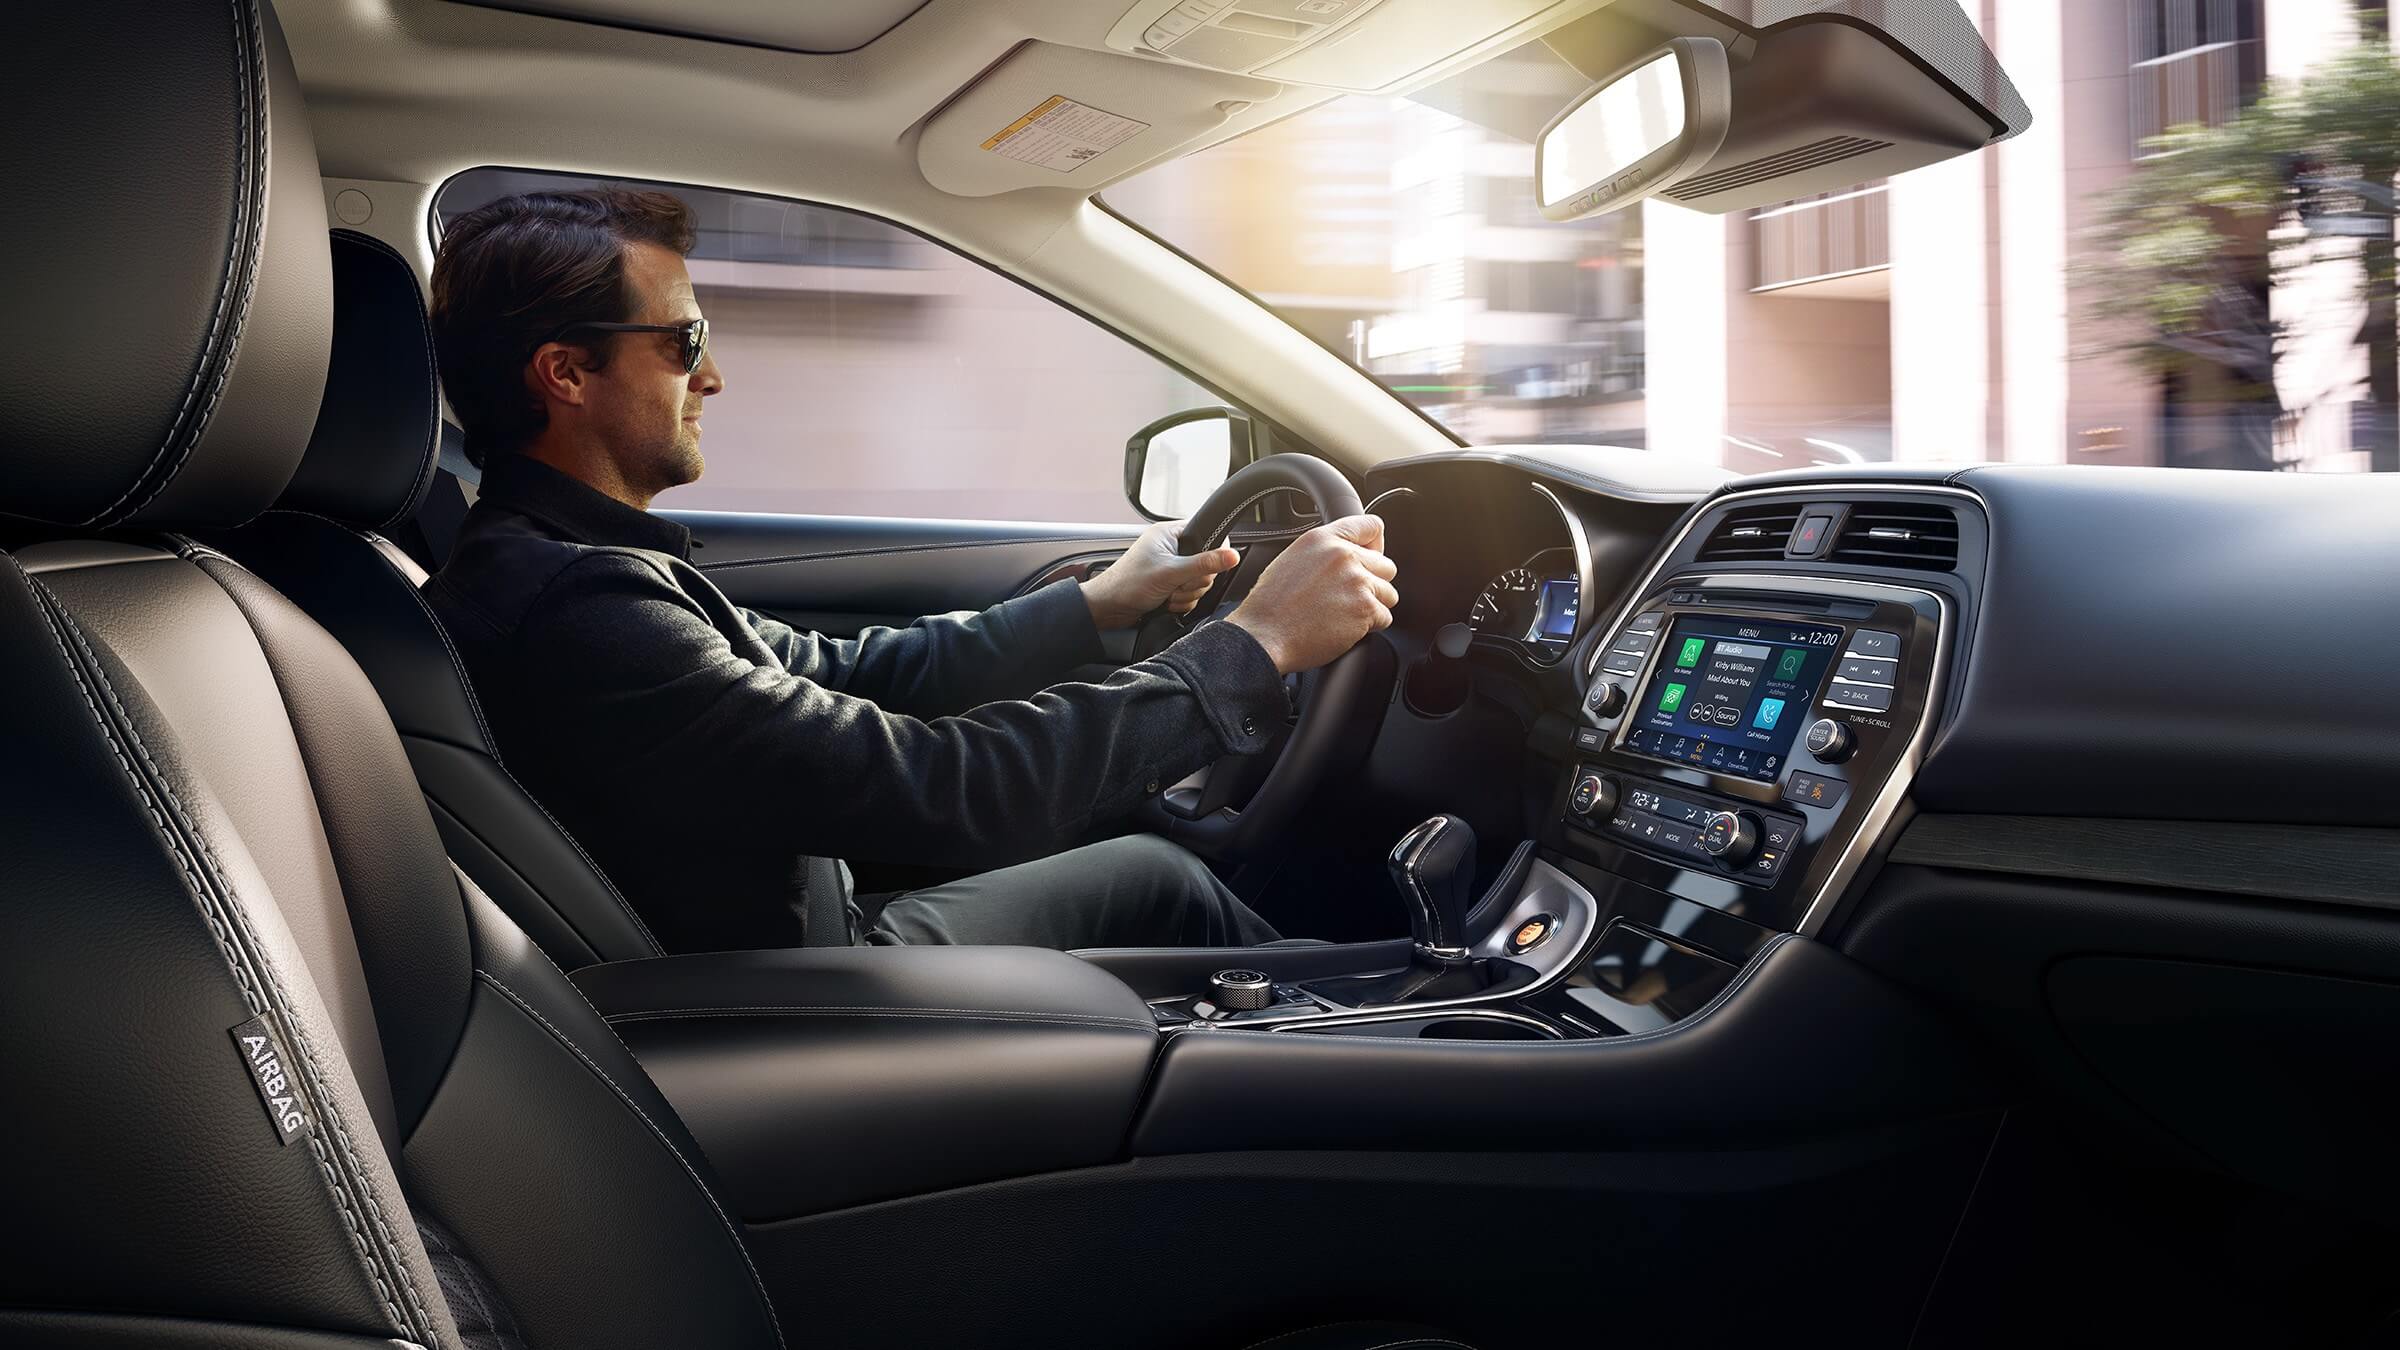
<point x="1769" y="709"/>
<point x="1690" y="655"/>
<point x="1787" y="666"/>
<point x="1672" y="699"/>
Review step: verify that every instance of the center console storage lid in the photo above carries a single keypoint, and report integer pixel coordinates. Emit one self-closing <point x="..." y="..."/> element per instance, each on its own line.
<point x="818" y="1078"/>
<point x="1803" y="1043"/>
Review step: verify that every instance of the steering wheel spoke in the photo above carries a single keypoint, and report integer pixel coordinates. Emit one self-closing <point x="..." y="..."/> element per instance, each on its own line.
<point x="1236" y="806"/>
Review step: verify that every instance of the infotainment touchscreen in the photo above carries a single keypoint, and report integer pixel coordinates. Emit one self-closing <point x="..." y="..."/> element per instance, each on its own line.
<point x="1728" y="695"/>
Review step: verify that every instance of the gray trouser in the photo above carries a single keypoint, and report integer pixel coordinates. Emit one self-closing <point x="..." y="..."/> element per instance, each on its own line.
<point x="1139" y="891"/>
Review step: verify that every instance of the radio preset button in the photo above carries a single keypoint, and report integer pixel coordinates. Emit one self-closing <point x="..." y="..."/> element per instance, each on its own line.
<point x="1868" y="642"/>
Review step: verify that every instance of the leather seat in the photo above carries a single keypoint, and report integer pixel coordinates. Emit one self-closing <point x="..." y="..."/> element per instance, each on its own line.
<point x="280" y="1075"/>
<point x="369" y="462"/>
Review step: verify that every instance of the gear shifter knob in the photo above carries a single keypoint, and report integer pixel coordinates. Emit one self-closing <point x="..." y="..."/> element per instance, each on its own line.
<point x="1433" y="866"/>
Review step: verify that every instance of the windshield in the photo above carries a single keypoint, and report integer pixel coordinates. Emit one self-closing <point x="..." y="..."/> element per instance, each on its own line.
<point x="2188" y="260"/>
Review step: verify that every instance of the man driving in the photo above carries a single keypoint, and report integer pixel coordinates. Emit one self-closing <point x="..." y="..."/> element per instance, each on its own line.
<point x="712" y="758"/>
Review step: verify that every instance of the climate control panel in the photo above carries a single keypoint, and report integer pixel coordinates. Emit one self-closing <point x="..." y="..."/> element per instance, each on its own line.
<point x="1733" y="838"/>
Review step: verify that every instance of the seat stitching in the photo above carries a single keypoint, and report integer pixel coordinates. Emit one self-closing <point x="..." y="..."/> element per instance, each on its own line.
<point x="424" y="331"/>
<point x="491" y="743"/>
<point x="244" y="237"/>
<point x="196" y="882"/>
<point x="661" y="1135"/>
<point x="432" y="1233"/>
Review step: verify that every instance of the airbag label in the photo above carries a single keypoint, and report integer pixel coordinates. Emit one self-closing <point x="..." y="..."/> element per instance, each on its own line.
<point x="1061" y="134"/>
<point x="262" y="1055"/>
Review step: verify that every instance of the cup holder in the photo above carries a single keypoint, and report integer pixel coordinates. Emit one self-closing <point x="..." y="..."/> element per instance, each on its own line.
<point x="1479" y="1029"/>
<point x="1436" y="1027"/>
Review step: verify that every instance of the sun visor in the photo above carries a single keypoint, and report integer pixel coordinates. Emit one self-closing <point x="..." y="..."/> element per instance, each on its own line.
<point x="1051" y="116"/>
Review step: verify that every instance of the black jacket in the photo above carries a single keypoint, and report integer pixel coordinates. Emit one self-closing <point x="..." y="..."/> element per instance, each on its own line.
<point x="701" y="751"/>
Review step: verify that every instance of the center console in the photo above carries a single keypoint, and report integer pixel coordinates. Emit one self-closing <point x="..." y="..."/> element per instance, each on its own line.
<point x="1744" y="738"/>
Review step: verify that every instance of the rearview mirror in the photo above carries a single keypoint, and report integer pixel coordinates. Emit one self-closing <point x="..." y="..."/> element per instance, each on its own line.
<point x="1173" y="464"/>
<point x="1635" y="133"/>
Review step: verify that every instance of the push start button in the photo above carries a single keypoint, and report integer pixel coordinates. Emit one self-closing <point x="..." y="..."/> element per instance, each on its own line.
<point x="1532" y="933"/>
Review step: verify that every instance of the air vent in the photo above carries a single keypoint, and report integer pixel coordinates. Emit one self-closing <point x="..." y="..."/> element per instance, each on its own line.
<point x="1880" y="534"/>
<point x="1752" y="535"/>
<point x="1816" y="154"/>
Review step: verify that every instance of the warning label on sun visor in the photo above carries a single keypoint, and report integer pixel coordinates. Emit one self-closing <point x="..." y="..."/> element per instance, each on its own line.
<point x="1061" y="134"/>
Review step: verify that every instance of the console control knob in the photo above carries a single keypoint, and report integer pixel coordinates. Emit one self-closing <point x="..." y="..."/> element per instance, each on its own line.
<point x="1607" y="699"/>
<point x="1593" y="794"/>
<point x="1830" y="741"/>
<point x="1730" y="836"/>
<point x="1241" y="990"/>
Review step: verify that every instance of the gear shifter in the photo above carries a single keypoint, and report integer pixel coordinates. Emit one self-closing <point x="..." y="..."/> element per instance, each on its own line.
<point x="1433" y="866"/>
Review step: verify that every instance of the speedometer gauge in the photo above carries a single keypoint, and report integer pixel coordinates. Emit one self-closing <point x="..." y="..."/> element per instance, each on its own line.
<point x="1506" y="607"/>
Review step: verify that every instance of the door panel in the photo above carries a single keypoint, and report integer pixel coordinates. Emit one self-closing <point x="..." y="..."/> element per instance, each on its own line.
<point x="838" y="574"/>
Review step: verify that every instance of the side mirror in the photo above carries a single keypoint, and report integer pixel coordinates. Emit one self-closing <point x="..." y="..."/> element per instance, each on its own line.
<point x="1173" y="464"/>
<point x="1637" y="132"/>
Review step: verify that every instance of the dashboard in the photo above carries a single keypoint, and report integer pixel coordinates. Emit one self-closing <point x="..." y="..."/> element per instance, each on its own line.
<point x="2089" y="758"/>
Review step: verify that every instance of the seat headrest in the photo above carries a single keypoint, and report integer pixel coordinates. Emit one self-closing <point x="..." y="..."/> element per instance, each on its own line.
<point x="378" y="433"/>
<point x="171" y="300"/>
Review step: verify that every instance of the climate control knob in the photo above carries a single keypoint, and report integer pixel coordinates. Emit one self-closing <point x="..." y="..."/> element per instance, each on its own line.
<point x="1593" y="794"/>
<point x="1830" y="741"/>
<point x="1731" y="837"/>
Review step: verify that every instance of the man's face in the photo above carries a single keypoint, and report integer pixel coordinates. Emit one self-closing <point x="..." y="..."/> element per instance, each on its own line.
<point x="642" y="405"/>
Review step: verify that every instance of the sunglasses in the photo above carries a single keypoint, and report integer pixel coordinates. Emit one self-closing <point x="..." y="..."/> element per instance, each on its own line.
<point x="694" y="333"/>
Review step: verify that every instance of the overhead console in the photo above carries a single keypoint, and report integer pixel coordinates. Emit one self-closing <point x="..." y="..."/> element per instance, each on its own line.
<point x="1751" y="723"/>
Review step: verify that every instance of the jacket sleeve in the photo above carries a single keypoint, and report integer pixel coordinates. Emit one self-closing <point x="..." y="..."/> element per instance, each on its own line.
<point x="635" y="676"/>
<point x="948" y="663"/>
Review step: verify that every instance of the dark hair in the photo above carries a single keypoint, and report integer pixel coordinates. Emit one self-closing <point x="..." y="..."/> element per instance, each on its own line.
<point x="512" y="273"/>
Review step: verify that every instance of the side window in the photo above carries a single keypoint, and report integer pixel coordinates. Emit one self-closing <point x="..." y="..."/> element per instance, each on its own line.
<point x="871" y="372"/>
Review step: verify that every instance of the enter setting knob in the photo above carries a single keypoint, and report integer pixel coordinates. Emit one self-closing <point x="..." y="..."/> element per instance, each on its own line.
<point x="1830" y="741"/>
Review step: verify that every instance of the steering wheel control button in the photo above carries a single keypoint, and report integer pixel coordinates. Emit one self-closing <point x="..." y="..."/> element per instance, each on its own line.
<point x="1866" y="697"/>
<point x="1241" y="990"/>
<point x="1830" y="741"/>
<point x="1532" y="933"/>
<point x="1592" y="795"/>
<point x="1810" y="789"/>
<point x="1868" y="642"/>
<point x="1607" y="699"/>
<point x="1731" y="837"/>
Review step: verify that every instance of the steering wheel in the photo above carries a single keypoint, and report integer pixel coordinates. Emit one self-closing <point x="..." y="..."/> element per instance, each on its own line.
<point x="1245" y="801"/>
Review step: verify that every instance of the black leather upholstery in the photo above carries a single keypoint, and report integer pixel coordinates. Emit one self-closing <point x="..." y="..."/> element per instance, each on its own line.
<point x="784" y="1060"/>
<point x="166" y="342"/>
<point x="369" y="463"/>
<point x="371" y="457"/>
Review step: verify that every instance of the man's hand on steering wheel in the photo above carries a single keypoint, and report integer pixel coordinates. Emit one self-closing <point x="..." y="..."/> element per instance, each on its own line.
<point x="1331" y="588"/>
<point x="1152" y="574"/>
